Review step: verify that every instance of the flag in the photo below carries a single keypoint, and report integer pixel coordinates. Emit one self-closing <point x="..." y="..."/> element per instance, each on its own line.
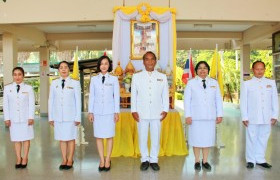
<point x="75" y="74"/>
<point x="188" y="70"/>
<point x="216" y="71"/>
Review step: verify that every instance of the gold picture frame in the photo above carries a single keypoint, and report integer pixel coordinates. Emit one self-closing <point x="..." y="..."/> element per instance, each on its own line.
<point x="144" y="37"/>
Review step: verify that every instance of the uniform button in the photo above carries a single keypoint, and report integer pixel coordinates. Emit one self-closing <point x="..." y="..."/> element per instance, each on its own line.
<point x="150" y="102"/>
<point x="149" y="87"/>
<point x="17" y="110"/>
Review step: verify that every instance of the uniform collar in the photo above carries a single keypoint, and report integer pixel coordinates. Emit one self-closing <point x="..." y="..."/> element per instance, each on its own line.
<point x="150" y="73"/>
<point x="200" y="79"/>
<point x="101" y="75"/>
<point x="258" y="79"/>
<point x="15" y="84"/>
<point x="66" y="79"/>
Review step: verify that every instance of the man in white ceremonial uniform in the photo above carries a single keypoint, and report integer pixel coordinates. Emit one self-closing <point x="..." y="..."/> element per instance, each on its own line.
<point x="149" y="106"/>
<point x="259" y="110"/>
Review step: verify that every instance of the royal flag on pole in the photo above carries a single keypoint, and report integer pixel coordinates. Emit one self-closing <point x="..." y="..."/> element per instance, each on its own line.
<point x="75" y="74"/>
<point x="188" y="70"/>
<point x="216" y="71"/>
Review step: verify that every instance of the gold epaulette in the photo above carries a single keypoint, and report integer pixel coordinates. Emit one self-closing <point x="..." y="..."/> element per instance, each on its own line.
<point x="247" y="79"/>
<point x="112" y="74"/>
<point x="138" y="71"/>
<point x="8" y="84"/>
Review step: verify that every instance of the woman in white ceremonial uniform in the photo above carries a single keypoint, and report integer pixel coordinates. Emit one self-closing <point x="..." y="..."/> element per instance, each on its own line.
<point x="65" y="113"/>
<point x="203" y="110"/>
<point x="104" y="108"/>
<point x="19" y="107"/>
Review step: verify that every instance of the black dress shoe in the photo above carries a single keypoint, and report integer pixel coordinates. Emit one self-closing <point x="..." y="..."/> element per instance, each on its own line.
<point x="69" y="167"/>
<point x="17" y="166"/>
<point x="197" y="166"/>
<point x="61" y="167"/>
<point x="265" y="165"/>
<point x="24" y="165"/>
<point x="101" y="168"/>
<point x="250" y="165"/>
<point x="155" y="166"/>
<point x="206" y="166"/>
<point x="144" y="166"/>
<point x="107" y="168"/>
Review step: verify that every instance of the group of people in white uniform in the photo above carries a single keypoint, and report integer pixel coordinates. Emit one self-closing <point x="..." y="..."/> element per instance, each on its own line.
<point x="149" y="106"/>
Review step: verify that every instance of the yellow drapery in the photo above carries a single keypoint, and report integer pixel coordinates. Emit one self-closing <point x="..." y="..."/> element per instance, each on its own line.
<point x="172" y="141"/>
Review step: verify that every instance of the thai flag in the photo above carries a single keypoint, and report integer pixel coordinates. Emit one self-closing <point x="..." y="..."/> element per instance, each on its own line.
<point x="189" y="70"/>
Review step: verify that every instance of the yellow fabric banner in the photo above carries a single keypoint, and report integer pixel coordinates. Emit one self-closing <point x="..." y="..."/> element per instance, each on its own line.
<point x="75" y="74"/>
<point x="172" y="140"/>
<point x="216" y="71"/>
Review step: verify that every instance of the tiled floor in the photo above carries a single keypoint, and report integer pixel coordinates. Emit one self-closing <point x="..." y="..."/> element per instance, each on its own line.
<point x="227" y="163"/>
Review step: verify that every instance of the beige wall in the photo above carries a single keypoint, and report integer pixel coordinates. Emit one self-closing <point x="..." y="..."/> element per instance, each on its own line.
<point x="31" y="11"/>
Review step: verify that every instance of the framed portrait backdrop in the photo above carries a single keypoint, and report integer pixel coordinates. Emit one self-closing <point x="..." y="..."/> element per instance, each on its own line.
<point x="144" y="37"/>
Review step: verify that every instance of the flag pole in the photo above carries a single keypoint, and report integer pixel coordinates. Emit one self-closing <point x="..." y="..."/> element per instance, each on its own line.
<point x="216" y="61"/>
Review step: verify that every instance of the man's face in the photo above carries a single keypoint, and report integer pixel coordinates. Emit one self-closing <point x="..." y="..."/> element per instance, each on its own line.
<point x="149" y="62"/>
<point x="258" y="70"/>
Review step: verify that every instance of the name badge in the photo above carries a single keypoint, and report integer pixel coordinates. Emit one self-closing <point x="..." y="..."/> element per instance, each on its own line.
<point x="24" y="92"/>
<point x="213" y="87"/>
<point x="268" y="86"/>
<point x="69" y="87"/>
<point x="159" y="79"/>
<point x="108" y="84"/>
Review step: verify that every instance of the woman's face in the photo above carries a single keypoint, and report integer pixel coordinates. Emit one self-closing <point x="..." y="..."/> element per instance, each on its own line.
<point x="202" y="71"/>
<point x="64" y="70"/>
<point x="18" y="76"/>
<point x="104" y="66"/>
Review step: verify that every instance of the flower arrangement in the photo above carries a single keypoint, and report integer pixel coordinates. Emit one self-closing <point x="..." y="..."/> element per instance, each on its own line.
<point x="127" y="79"/>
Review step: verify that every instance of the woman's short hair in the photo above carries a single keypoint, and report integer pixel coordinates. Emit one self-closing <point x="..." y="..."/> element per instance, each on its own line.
<point x="19" y="69"/>
<point x="202" y="62"/>
<point x="99" y="63"/>
<point x="65" y="62"/>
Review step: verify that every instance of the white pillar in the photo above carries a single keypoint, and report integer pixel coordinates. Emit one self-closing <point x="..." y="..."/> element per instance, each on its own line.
<point x="236" y="59"/>
<point x="44" y="80"/>
<point x="9" y="56"/>
<point x="245" y="62"/>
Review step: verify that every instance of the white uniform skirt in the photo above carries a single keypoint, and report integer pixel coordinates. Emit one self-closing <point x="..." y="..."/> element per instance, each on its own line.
<point x="202" y="133"/>
<point x="21" y="132"/>
<point x="104" y="126"/>
<point x="65" y="131"/>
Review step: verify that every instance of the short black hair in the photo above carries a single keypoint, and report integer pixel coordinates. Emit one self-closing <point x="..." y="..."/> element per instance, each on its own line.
<point x="149" y="52"/>
<point x="99" y="63"/>
<point x="67" y="63"/>
<point x="202" y="62"/>
<point x="19" y="69"/>
<point x="258" y="61"/>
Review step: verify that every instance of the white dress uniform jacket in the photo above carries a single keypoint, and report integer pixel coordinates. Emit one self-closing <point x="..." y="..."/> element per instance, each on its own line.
<point x="104" y="98"/>
<point x="200" y="103"/>
<point x="149" y="94"/>
<point x="65" y="104"/>
<point x="259" y="101"/>
<point x="18" y="107"/>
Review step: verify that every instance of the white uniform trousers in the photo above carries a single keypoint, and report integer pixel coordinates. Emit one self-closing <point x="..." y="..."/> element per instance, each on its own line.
<point x="256" y="142"/>
<point x="143" y="130"/>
